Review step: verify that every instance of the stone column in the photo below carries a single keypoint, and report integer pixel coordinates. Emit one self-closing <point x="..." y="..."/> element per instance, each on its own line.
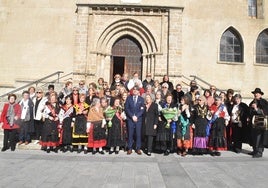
<point x="175" y="42"/>
<point x="81" y="42"/>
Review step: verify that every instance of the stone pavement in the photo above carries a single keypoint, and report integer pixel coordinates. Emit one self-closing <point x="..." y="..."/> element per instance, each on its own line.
<point x="35" y="168"/>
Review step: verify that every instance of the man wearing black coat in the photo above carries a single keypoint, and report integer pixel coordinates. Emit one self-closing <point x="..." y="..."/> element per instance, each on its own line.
<point x="258" y="106"/>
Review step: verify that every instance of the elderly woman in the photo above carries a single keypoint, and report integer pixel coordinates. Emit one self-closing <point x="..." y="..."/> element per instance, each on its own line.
<point x="50" y="134"/>
<point x="9" y="122"/>
<point x="96" y="127"/>
<point x="199" y="119"/>
<point x="219" y="121"/>
<point x="239" y="124"/>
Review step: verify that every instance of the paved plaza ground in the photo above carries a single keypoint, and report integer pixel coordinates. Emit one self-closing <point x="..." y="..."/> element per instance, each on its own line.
<point x="35" y="168"/>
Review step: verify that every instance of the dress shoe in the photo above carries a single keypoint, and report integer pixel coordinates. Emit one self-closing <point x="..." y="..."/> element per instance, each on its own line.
<point x="217" y="153"/>
<point x="110" y="152"/>
<point x="94" y="152"/>
<point x="116" y="152"/>
<point x="138" y="152"/>
<point x="129" y="152"/>
<point x="48" y="150"/>
<point x="12" y="149"/>
<point x="3" y="149"/>
<point x="101" y="152"/>
<point x="55" y="150"/>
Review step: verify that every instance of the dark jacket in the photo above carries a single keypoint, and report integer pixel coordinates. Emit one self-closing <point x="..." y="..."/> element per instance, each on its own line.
<point x="150" y="119"/>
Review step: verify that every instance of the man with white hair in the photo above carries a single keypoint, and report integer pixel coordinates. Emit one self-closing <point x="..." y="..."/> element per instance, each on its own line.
<point x="135" y="81"/>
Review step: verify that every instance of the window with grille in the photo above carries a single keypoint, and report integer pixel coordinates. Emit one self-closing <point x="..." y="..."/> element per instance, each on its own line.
<point x="262" y="47"/>
<point x="252" y="8"/>
<point x="231" y="46"/>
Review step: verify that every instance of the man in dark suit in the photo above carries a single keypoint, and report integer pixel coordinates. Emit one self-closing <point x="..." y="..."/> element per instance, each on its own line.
<point x="134" y="108"/>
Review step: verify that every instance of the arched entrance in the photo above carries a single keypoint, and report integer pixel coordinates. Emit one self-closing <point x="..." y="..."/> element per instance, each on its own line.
<point x="126" y="56"/>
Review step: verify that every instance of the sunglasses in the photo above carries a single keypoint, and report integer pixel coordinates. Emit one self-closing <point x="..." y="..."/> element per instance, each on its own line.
<point x="75" y="90"/>
<point x="39" y="92"/>
<point x="164" y="87"/>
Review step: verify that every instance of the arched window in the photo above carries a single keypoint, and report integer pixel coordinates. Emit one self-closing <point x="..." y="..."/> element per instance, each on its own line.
<point x="262" y="47"/>
<point x="231" y="47"/>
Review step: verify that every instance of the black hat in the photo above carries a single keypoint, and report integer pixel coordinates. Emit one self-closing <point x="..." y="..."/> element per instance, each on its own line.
<point x="257" y="90"/>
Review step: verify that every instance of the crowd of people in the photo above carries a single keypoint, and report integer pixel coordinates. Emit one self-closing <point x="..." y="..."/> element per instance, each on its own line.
<point x="134" y="115"/>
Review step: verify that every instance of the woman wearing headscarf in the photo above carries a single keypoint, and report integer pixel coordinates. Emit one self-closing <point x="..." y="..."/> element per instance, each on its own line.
<point x="96" y="127"/>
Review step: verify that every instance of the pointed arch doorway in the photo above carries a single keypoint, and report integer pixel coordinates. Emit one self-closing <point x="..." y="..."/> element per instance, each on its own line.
<point x="126" y="56"/>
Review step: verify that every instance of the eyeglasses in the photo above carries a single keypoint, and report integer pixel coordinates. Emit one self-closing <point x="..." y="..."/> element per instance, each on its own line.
<point x="117" y="85"/>
<point x="213" y="88"/>
<point x="81" y="84"/>
<point x="39" y="92"/>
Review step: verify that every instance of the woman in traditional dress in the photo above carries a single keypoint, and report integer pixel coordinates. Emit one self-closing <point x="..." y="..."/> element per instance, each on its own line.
<point x="184" y="141"/>
<point x="50" y="134"/>
<point x="66" y="115"/>
<point x="241" y="129"/>
<point x="161" y="133"/>
<point x="116" y="135"/>
<point x="9" y="122"/>
<point x="199" y="119"/>
<point x="166" y="134"/>
<point x="150" y="122"/>
<point x="96" y="127"/>
<point x="80" y="136"/>
<point x="219" y="121"/>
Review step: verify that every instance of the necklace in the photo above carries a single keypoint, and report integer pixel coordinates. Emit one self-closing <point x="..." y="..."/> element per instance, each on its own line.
<point x="202" y="111"/>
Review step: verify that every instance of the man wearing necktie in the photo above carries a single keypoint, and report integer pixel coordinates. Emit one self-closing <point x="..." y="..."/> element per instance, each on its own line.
<point x="134" y="108"/>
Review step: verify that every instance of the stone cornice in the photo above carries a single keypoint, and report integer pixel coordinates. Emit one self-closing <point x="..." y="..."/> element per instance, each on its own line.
<point x="129" y="7"/>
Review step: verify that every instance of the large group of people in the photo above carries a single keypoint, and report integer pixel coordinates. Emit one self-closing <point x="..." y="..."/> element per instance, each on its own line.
<point x="134" y="115"/>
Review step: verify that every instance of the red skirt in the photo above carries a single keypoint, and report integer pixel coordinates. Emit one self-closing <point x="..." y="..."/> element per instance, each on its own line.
<point x="94" y="143"/>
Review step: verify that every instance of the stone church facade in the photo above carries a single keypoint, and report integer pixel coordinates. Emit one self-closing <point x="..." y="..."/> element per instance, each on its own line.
<point x="224" y="43"/>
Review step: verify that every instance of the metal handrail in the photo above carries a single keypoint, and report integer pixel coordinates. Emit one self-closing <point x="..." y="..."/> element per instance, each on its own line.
<point x="208" y="84"/>
<point x="34" y="82"/>
<point x="71" y="73"/>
